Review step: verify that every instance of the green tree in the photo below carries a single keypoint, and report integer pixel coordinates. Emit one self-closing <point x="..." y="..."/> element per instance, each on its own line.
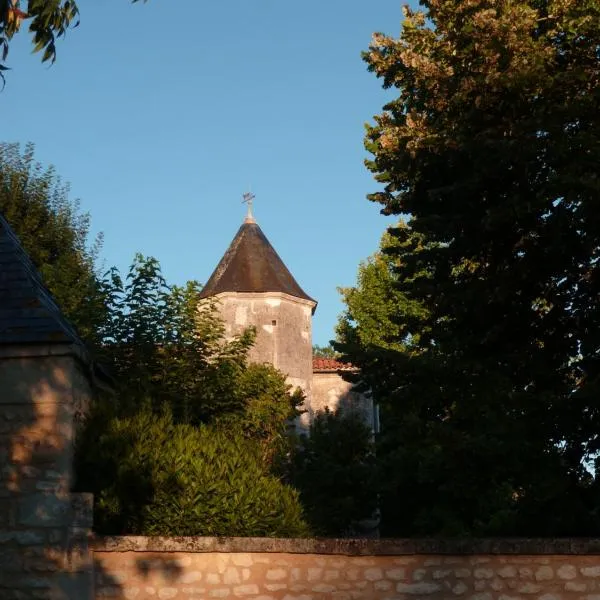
<point x="162" y="344"/>
<point x="491" y="411"/>
<point x="334" y="470"/>
<point x="55" y="235"/>
<point x="324" y="351"/>
<point x="48" y="20"/>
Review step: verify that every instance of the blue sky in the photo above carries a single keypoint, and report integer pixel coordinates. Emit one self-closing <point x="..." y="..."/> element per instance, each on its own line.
<point x="161" y="115"/>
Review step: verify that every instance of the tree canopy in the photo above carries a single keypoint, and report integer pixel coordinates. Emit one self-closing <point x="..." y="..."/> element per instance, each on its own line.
<point x="48" y="20"/>
<point x="487" y="366"/>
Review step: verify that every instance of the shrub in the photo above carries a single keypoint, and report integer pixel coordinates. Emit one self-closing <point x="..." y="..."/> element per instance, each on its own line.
<point x="152" y="476"/>
<point x="334" y="469"/>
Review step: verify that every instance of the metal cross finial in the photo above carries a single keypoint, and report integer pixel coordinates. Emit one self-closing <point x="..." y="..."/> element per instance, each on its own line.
<point x="248" y="198"/>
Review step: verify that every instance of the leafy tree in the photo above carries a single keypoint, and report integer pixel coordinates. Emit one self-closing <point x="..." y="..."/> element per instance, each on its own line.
<point x="324" y="351"/>
<point x="48" y="20"/>
<point x="489" y="397"/>
<point x="153" y="476"/>
<point x="55" y="235"/>
<point x="334" y="469"/>
<point x="162" y="344"/>
<point x="195" y="436"/>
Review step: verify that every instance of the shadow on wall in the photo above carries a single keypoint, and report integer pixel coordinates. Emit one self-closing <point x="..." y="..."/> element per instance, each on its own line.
<point x="44" y="529"/>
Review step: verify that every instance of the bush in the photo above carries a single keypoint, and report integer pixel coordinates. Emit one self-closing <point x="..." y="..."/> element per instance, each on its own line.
<point x="152" y="476"/>
<point x="334" y="470"/>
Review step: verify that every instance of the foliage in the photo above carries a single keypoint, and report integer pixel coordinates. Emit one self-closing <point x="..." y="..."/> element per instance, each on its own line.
<point x="153" y="476"/>
<point x="162" y="344"/>
<point x="54" y="234"/>
<point x="48" y="20"/>
<point x="487" y="371"/>
<point x="324" y="351"/>
<point x="334" y="469"/>
<point x="192" y="441"/>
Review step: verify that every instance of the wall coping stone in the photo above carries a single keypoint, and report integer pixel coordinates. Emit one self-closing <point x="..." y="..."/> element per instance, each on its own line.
<point x="350" y="547"/>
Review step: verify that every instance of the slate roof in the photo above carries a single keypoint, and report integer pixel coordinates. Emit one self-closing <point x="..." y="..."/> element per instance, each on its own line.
<point x="251" y="264"/>
<point x="331" y="365"/>
<point x="28" y="313"/>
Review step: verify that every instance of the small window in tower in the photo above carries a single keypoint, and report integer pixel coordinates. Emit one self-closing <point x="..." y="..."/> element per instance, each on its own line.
<point x="273" y="322"/>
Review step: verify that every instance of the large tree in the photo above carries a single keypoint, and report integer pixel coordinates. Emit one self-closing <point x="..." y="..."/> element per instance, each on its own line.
<point x="491" y="149"/>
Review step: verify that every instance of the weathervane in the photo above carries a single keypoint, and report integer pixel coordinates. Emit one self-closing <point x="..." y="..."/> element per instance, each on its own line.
<point x="248" y="199"/>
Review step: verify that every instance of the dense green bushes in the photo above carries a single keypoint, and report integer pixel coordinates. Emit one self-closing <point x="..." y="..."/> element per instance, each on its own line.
<point x="154" y="476"/>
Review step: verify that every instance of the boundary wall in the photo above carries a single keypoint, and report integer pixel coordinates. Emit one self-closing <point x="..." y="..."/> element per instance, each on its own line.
<point x="155" y="568"/>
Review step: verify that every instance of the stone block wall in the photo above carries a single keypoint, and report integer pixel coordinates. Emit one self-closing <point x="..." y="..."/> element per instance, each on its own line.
<point x="264" y="569"/>
<point x="43" y="527"/>
<point x="330" y="390"/>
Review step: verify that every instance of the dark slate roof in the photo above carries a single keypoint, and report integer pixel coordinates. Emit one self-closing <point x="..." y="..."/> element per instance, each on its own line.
<point x="252" y="265"/>
<point x="28" y="313"/>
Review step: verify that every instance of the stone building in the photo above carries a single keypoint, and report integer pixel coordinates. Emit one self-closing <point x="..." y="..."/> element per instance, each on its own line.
<point x="255" y="288"/>
<point x="46" y="380"/>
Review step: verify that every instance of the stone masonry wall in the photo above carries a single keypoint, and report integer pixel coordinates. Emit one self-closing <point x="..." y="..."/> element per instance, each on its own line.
<point x="204" y="568"/>
<point x="283" y="333"/>
<point x="43" y="527"/>
<point x="330" y="390"/>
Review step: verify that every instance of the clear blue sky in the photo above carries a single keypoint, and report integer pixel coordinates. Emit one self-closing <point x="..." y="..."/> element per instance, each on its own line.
<point x="161" y="115"/>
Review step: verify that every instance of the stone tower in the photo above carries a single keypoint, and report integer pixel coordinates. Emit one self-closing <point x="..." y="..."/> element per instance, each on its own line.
<point x="254" y="287"/>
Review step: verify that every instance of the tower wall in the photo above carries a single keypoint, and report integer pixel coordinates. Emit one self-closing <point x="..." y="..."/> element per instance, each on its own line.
<point x="283" y="333"/>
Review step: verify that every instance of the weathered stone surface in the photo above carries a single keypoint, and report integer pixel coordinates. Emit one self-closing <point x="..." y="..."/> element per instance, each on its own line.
<point x="242" y="559"/>
<point x="529" y="588"/>
<point x="483" y="573"/>
<point x="575" y="586"/>
<point x="323" y="588"/>
<point x="591" y="571"/>
<point x="249" y="589"/>
<point x="420" y="589"/>
<point x="44" y="510"/>
<point x="373" y="574"/>
<point x="190" y="577"/>
<point x="395" y="574"/>
<point x="544" y="574"/>
<point x="352" y="547"/>
<point x="276" y="574"/>
<point x="459" y="589"/>
<point x="508" y="572"/>
<point x="231" y="576"/>
<point x="383" y="585"/>
<point x="566" y="572"/>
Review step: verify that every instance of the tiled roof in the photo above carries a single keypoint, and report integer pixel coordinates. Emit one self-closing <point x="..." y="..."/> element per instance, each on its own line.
<point x="28" y="313"/>
<point x="251" y="264"/>
<point x="331" y="364"/>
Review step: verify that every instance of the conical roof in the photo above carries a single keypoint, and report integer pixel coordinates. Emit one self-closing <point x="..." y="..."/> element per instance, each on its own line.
<point x="28" y="313"/>
<point x="251" y="264"/>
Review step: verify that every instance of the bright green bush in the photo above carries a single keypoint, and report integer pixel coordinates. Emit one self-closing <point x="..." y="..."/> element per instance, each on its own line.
<point x="152" y="476"/>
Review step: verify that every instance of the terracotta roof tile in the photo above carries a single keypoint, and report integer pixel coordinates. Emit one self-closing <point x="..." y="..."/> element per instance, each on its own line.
<point x="331" y="364"/>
